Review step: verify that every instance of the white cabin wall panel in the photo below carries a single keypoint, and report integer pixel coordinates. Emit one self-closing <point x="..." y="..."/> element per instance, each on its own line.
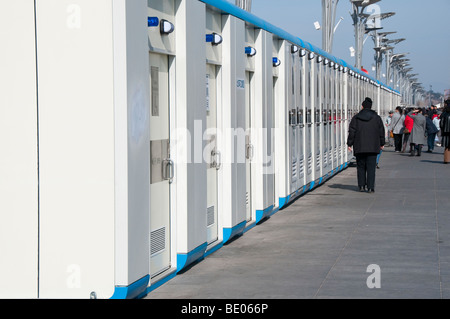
<point x="76" y="148"/>
<point x="233" y="122"/>
<point x="190" y="119"/>
<point x="259" y="77"/>
<point x="271" y="96"/>
<point x="18" y="146"/>
<point x="281" y="127"/>
<point x="131" y="103"/>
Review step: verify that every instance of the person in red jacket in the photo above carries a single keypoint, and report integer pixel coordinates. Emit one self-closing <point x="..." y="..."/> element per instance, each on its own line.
<point x="409" y="124"/>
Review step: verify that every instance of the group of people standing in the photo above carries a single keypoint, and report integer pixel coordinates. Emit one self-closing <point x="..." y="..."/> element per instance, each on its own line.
<point x="415" y="127"/>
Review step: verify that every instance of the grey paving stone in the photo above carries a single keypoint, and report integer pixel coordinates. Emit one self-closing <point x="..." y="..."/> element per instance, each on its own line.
<point x="321" y="245"/>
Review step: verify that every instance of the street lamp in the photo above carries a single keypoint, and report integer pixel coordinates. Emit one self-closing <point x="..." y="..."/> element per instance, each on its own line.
<point x="379" y="58"/>
<point x="396" y="41"/>
<point x="244" y="4"/>
<point x="431" y="87"/>
<point x="392" y="61"/>
<point x="328" y="21"/>
<point x="359" y="22"/>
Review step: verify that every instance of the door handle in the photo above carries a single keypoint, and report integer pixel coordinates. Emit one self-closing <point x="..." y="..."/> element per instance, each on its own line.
<point x="250" y="149"/>
<point x="168" y="170"/>
<point x="218" y="156"/>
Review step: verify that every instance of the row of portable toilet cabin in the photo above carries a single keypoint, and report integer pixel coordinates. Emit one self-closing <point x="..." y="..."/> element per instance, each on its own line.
<point x="138" y="137"/>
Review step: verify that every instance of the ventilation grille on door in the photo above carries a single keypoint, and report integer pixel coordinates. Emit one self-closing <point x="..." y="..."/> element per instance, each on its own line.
<point x="309" y="162"/>
<point x="294" y="170"/>
<point x="210" y="216"/>
<point x="301" y="168"/>
<point x="157" y="241"/>
<point x="247" y="200"/>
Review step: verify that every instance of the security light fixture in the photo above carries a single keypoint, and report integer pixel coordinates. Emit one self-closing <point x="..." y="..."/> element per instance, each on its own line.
<point x="166" y="27"/>
<point x="250" y="51"/>
<point x="276" y="62"/>
<point x="214" y="38"/>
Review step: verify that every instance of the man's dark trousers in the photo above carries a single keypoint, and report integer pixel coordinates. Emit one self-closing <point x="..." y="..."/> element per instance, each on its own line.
<point x="431" y="138"/>
<point x="366" y="164"/>
<point x="398" y="142"/>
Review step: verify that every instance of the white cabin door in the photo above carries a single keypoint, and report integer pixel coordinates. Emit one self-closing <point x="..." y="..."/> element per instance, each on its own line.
<point x="212" y="154"/>
<point x="162" y="168"/>
<point x="248" y="144"/>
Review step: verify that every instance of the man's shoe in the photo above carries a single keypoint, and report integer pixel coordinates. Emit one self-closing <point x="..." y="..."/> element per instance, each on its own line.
<point x="362" y="189"/>
<point x="370" y="191"/>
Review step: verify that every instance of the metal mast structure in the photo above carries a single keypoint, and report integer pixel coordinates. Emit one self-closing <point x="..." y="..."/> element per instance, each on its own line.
<point x="244" y="4"/>
<point x="328" y="21"/>
<point x="380" y="47"/>
<point x="359" y="22"/>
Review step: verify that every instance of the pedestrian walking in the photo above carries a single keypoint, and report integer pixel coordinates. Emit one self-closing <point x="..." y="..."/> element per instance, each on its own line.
<point x="418" y="134"/>
<point x="397" y="128"/>
<point x="431" y="133"/>
<point x="408" y="126"/>
<point x="387" y="123"/>
<point x="436" y="122"/>
<point x="366" y="137"/>
<point x="445" y="131"/>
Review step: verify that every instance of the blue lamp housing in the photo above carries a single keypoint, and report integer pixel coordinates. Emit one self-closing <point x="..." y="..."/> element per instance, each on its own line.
<point x="250" y="51"/>
<point x="214" y="38"/>
<point x="276" y="62"/>
<point x="153" y="21"/>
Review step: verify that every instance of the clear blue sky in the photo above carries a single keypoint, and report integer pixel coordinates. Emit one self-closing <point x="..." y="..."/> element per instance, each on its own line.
<point x="424" y="24"/>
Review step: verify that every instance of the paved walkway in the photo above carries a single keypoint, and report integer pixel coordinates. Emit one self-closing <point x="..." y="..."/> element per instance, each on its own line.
<point x="321" y="245"/>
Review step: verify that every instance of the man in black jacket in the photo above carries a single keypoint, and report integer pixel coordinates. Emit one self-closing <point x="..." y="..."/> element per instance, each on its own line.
<point x="366" y="135"/>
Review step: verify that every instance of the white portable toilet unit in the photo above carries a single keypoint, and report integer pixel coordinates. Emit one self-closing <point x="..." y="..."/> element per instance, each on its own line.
<point x="231" y="124"/>
<point x="293" y="176"/>
<point x="76" y="176"/>
<point x="318" y="125"/>
<point x="262" y="124"/>
<point x="309" y="109"/>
